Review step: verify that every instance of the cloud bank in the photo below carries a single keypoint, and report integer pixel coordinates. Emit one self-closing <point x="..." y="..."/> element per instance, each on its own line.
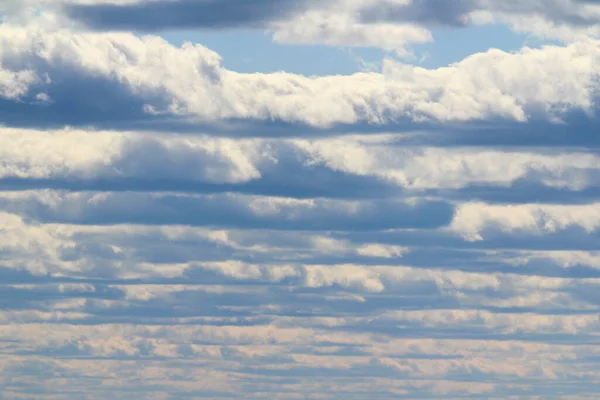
<point x="132" y="78"/>
<point x="175" y="229"/>
<point x="389" y="24"/>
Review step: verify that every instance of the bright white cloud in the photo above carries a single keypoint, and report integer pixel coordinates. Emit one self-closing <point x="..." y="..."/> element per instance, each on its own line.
<point x="95" y="157"/>
<point x="495" y="84"/>
<point x="335" y="28"/>
<point x="78" y="154"/>
<point x="424" y="168"/>
<point x="473" y="219"/>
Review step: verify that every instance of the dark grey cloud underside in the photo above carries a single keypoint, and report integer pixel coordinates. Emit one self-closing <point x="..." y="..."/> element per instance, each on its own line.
<point x="572" y="238"/>
<point x="452" y="13"/>
<point x="80" y="99"/>
<point x="181" y="14"/>
<point x="317" y="182"/>
<point x="427" y="12"/>
<point x="220" y="211"/>
<point x="116" y="108"/>
<point x="228" y="14"/>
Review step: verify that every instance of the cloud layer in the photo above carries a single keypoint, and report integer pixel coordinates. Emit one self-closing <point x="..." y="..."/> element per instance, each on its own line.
<point x="389" y="24"/>
<point x="175" y="229"/>
<point x="131" y="80"/>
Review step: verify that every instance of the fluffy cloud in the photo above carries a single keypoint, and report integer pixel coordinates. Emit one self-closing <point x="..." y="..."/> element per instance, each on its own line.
<point x="474" y="218"/>
<point x="89" y="155"/>
<point x="333" y="28"/>
<point x="531" y="84"/>
<point x="116" y="160"/>
<point x="426" y="168"/>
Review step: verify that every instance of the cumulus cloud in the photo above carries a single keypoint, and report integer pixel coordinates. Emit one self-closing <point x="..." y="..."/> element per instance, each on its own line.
<point x="115" y="161"/>
<point x="333" y="28"/>
<point x="471" y="220"/>
<point x="81" y="155"/>
<point x="137" y="79"/>
<point x="429" y="167"/>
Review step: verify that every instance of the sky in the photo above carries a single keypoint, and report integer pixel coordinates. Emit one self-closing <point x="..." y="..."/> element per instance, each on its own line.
<point x="299" y="199"/>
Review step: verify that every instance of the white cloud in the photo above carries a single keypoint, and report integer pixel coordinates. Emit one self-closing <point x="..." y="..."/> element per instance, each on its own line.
<point x="13" y="85"/>
<point x="489" y="85"/>
<point x="563" y="258"/>
<point x="428" y="167"/>
<point x="380" y="250"/>
<point x="78" y="154"/>
<point x="85" y="156"/>
<point x="473" y="219"/>
<point x="501" y="323"/>
<point x="565" y="20"/>
<point x="388" y="24"/>
<point x="335" y="27"/>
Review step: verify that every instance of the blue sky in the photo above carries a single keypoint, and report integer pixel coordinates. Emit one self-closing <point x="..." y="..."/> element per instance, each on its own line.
<point x="277" y="199"/>
<point x="251" y="51"/>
